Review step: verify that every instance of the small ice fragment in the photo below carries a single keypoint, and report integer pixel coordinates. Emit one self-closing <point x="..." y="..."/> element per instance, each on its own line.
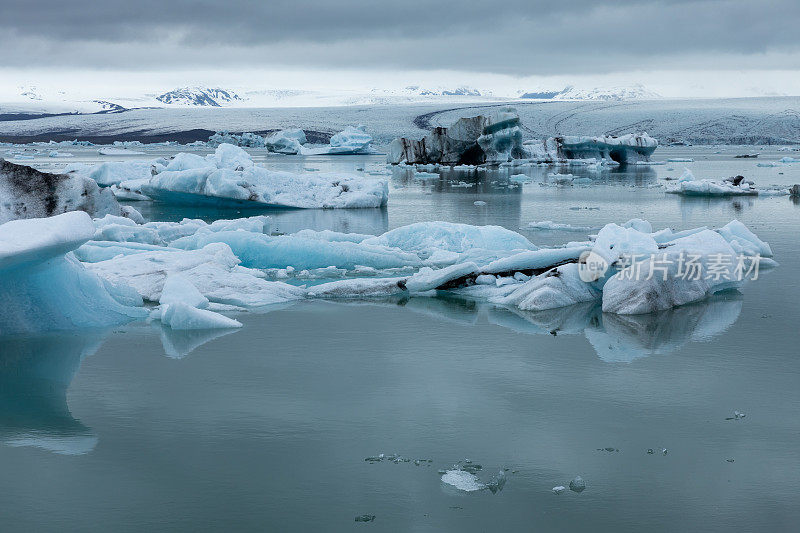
<point x="462" y="480"/>
<point x="650" y="451"/>
<point x="479" y="203"/>
<point x="577" y="484"/>
<point x="738" y="415"/>
<point x="559" y="489"/>
<point x="729" y="460"/>
<point x="365" y="518"/>
<point x="664" y="451"/>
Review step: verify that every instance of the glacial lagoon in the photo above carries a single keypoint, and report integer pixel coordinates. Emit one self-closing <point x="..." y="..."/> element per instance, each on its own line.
<point x="268" y="427"/>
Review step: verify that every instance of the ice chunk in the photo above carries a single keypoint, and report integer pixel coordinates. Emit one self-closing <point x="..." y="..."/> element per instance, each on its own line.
<point x="656" y="284"/>
<point x="744" y="241"/>
<point x="471" y="141"/>
<point x="708" y="187"/>
<point x="113" y="172"/>
<point x="352" y="140"/>
<point x="559" y="489"/>
<point x="44" y="288"/>
<point x="577" y="484"/>
<point x="289" y="141"/>
<point x="180" y="316"/>
<point x="462" y="480"/>
<point x="229" y="177"/>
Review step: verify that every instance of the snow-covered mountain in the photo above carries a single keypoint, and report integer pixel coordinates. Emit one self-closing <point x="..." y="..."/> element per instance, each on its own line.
<point x="629" y="92"/>
<point x="199" y="97"/>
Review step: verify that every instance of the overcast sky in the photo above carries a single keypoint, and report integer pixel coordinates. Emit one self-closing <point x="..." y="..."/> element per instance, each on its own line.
<point x="512" y="39"/>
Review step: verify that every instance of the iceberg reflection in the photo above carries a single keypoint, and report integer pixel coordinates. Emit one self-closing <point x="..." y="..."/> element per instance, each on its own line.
<point x="35" y="373"/>
<point x="625" y="338"/>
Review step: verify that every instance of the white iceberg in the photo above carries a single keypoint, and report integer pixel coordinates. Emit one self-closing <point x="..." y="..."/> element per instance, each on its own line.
<point x="351" y="141"/>
<point x="229" y="177"/>
<point x="289" y="141"/>
<point x="688" y="185"/>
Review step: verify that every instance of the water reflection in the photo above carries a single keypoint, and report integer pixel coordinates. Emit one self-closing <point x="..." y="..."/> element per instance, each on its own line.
<point x="35" y="373"/>
<point x="615" y="338"/>
<point x="481" y="180"/>
<point x="699" y="205"/>
<point x="179" y="344"/>
<point x="625" y="338"/>
<point x="371" y="221"/>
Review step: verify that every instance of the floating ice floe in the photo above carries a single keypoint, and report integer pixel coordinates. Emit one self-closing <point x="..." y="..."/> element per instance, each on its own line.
<point x="28" y="193"/>
<point x="465" y="480"/>
<point x="630" y="148"/>
<point x="688" y="185"/>
<point x="350" y="141"/>
<point x="111" y="173"/>
<point x="550" y="225"/>
<point x="230" y="178"/>
<point x="288" y="142"/>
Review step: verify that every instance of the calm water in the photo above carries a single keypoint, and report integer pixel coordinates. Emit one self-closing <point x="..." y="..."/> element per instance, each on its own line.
<point x="267" y="428"/>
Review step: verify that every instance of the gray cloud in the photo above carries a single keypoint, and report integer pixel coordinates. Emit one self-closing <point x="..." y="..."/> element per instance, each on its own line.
<point x="516" y="37"/>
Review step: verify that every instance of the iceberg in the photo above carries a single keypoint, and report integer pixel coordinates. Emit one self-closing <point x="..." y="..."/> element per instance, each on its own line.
<point x="230" y="178"/>
<point x="111" y="173"/>
<point x="497" y="139"/>
<point x="289" y="141"/>
<point x="43" y="287"/>
<point x="470" y="141"/>
<point x="624" y="149"/>
<point x="28" y="193"/>
<point x="352" y="140"/>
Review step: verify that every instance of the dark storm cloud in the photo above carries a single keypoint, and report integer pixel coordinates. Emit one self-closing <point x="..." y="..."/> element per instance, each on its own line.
<point x="514" y="37"/>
